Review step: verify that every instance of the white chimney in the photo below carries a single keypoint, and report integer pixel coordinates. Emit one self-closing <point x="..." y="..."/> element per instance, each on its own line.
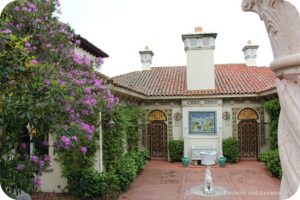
<point x="146" y="58"/>
<point x="199" y="47"/>
<point x="250" y="53"/>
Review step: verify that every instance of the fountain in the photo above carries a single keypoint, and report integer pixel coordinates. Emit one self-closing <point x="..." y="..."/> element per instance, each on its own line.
<point x="208" y="158"/>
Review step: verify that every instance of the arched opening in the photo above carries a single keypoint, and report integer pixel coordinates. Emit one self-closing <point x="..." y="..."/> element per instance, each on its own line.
<point x="247" y="134"/>
<point x="157" y="135"/>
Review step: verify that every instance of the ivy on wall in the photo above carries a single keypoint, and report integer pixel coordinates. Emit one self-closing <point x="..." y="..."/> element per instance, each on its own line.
<point x="126" y="134"/>
<point x="271" y="158"/>
<point x="273" y="109"/>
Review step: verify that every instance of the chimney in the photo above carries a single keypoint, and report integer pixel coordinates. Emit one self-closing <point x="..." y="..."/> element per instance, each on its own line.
<point x="146" y="58"/>
<point x="250" y="53"/>
<point x="199" y="48"/>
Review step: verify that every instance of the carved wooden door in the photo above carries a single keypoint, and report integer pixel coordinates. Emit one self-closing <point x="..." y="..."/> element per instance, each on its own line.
<point x="247" y="135"/>
<point x="157" y="139"/>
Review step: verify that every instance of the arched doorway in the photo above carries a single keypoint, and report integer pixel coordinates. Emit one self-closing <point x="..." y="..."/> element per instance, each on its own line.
<point x="157" y="135"/>
<point x="247" y="134"/>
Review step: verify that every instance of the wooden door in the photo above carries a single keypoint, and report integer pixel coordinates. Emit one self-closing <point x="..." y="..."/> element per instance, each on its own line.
<point x="247" y="135"/>
<point x="157" y="137"/>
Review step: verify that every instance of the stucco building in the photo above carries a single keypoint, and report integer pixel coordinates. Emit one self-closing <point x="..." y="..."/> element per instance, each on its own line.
<point x="201" y="102"/>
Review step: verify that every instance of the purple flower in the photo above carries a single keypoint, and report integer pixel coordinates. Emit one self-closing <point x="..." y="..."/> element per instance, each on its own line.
<point x="47" y="82"/>
<point x="48" y="45"/>
<point x="27" y="44"/>
<point x="38" y="20"/>
<point x="20" y="167"/>
<point x="32" y="7"/>
<point x="37" y="181"/>
<point x="69" y="75"/>
<point x="89" y="101"/>
<point x="77" y="42"/>
<point x="74" y="138"/>
<point x="87" y="90"/>
<point x="97" y="83"/>
<point x="65" y="140"/>
<point x="83" y="150"/>
<point x="17" y="8"/>
<point x="47" y="158"/>
<point x="89" y="137"/>
<point x="18" y="26"/>
<point x="6" y="31"/>
<point x="34" y="159"/>
<point x="34" y="61"/>
<point x="99" y="60"/>
<point x="41" y="163"/>
<point x="89" y="129"/>
<point x="23" y="145"/>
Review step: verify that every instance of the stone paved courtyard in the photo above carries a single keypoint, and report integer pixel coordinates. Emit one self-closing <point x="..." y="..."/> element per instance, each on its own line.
<point x="162" y="180"/>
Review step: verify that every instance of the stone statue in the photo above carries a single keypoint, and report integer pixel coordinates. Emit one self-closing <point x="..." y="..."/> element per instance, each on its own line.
<point x="282" y="22"/>
<point x="208" y="184"/>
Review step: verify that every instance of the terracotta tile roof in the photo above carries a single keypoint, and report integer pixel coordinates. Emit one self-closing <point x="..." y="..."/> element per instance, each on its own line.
<point x="230" y="79"/>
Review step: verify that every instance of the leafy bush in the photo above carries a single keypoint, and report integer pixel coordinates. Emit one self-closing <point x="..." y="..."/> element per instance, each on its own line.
<point x="140" y="158"/>
<point x="231" y="149"/>
<point x="131" y="164"/>
<point x="128" y="121"/>
<point x="272" y="162"/>
<point x="127" y="172"/>
<point x="273" y="109"/>
<point x="176" y="150"/>
<point x="88" y="183"/>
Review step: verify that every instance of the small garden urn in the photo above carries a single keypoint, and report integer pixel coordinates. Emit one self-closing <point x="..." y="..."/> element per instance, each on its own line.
<point x="185" y="161"/>
<point x="222" y="161"/>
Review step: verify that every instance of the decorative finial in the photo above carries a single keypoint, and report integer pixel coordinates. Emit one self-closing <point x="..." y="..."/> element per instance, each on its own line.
<point x="249" y="42"/>
<point x="146" y="48"/>
<point x="198" y="29"/>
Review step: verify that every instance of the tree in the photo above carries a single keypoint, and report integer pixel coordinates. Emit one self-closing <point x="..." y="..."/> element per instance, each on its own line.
<point x="46" y="89"/>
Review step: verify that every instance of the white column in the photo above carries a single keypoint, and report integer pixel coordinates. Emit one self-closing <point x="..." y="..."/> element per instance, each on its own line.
<point x="283" y="26"/>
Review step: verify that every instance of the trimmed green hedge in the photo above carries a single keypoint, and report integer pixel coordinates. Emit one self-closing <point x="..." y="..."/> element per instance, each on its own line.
<point x="88" y="183"/>
<point x="231" y="149"/>
<point x="130" y="166"/>
<point x="176" y="150"/>
<point x="272" y="162"/>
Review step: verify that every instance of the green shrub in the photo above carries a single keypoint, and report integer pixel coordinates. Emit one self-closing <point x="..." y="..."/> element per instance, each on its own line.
<point x="272" y="162"/>
<point x="127" y="172"/>
<point x="140" y="158"/>
<point x="109" y="184"/>
<point x="273" y="109"/>
<point x="176" y="150"/>
<point x="231" y="149"/>
<point x="88" y="183"/>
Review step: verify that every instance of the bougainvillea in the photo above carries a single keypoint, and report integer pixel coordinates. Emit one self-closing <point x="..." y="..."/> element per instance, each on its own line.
<point x="47" y="88"/>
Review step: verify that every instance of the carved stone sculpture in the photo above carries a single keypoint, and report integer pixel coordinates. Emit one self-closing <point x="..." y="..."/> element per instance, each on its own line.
<point x="208" y="183"/>
<point x="282" y="22"/>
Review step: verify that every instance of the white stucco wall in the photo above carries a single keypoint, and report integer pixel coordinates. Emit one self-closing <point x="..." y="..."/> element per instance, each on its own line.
<point x="84" y="53"/>
<point x="200" y="69"/>
<point x="201" y="139"/>
<point x="177" y="125"/>
<point x="51" y="178"/>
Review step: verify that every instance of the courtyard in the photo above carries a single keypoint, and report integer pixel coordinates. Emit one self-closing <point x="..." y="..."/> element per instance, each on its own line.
<point x="171" y="181"/>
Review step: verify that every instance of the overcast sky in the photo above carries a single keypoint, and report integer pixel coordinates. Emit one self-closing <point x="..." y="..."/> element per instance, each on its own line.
<point x="121" y="28"/>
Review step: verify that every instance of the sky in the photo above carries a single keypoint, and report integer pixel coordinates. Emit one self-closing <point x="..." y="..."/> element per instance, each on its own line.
<point x="122" y="28"/>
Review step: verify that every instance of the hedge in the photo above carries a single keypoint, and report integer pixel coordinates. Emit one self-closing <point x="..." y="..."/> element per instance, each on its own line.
<point x="176" y="150"/>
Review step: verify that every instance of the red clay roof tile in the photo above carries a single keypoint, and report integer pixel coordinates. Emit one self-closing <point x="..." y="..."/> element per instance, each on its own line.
<point x="171" y="81"/>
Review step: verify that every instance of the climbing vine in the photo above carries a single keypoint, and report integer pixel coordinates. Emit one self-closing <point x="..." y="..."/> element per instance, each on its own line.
<point x="126" y="134"/>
